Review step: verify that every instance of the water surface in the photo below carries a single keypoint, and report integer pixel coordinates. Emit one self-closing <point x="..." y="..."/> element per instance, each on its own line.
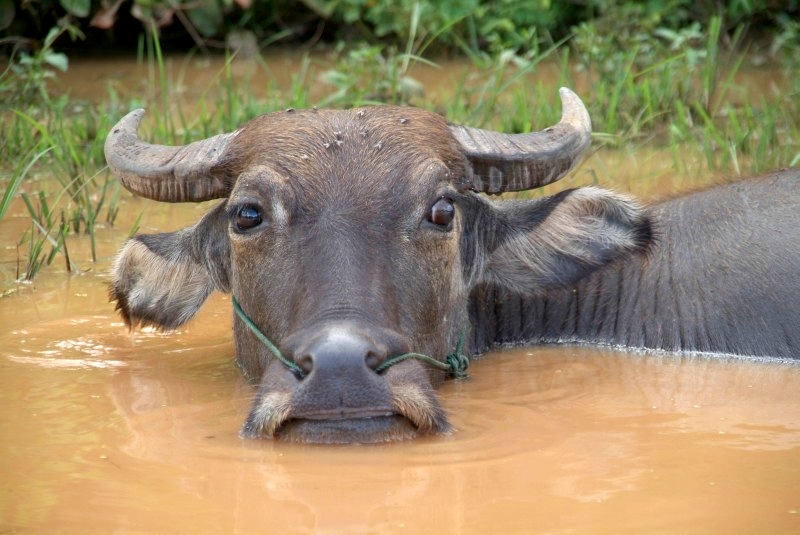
<point x="110" y="431"/>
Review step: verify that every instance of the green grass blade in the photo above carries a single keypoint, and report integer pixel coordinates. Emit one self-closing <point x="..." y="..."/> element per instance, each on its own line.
<point x="17" y="179"/>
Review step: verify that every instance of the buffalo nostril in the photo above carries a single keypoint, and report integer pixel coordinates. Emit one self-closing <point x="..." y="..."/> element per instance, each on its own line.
<point x="306" y="363"/>
<point x="373" y="360"/>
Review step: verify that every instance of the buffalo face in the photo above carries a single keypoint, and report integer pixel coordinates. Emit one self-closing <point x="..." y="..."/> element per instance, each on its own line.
<point x="349" y="238"/>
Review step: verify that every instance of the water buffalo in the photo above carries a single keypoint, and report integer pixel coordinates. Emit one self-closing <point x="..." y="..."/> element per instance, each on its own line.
<point x="360" y="254"/>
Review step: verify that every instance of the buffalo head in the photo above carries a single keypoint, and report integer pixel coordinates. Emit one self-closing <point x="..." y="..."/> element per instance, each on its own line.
<point x="351" y="237"/>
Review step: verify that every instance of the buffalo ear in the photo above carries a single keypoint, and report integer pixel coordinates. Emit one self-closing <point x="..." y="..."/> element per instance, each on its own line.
<point x="554" y="241"/>
<point x="163" y="279"/>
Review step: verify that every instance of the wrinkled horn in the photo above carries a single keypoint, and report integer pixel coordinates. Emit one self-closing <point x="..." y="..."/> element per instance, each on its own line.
<point x="164" y="173"/>
<point x="516" y="162"/>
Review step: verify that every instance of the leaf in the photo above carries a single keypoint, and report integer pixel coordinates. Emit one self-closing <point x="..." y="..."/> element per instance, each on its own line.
<point x="51" y="37"/>
<point x="207" y="18"/>
<point x="78" y="8"/>
<point x="7" y="13"/>
<point x="57" y="60"/>
<point x="321" y="7"/>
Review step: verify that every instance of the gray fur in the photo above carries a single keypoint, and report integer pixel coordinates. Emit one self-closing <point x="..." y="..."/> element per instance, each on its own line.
<point x="723" y="276"/>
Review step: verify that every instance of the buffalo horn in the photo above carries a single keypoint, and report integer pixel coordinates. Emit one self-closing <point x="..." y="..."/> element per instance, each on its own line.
<point x="164" y="173"/>
<point x="515" y="162"/>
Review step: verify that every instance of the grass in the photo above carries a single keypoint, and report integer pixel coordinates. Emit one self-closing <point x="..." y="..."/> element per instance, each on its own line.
<point x="683" y="99"/>
<point x="69" y="148"/>
<point x="45" y="228"/>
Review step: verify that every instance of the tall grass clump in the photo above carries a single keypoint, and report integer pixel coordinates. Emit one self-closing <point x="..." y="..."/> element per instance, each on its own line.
<point x="67" y="148"/>
<point x="677" y="88"/>
<point x="45" y="134"/>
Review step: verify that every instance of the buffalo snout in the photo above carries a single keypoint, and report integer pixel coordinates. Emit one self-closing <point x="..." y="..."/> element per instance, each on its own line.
<point x="340" y="382"/>
<point x="344" y="394"/>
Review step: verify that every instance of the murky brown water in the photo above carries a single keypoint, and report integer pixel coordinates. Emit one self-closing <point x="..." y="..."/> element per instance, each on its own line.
<point x="109" y="431"/>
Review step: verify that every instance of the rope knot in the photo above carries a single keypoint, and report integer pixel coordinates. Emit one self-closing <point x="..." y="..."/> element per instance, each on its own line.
<point x="458" y="364"/>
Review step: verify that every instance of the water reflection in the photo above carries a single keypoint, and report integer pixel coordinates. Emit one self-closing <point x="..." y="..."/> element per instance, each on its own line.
<point x="551" y="439"/>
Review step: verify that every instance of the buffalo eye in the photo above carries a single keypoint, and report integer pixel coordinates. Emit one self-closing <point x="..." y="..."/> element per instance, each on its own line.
<point x="247" y="217"/>
<point x="442" y="212"/>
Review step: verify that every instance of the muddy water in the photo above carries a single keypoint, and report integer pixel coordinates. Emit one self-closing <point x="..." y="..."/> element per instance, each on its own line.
<point x="103" y="430"/>
<point x="106" y="431"/>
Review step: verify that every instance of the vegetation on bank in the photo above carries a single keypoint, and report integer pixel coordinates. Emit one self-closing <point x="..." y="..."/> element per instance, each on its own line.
<point x="455" y="25"/>
<point x="659" y="73"/>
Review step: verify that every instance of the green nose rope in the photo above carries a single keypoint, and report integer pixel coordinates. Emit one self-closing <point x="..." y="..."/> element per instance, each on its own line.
<point x="454" y="364"/>
<point x="297" y="370"/>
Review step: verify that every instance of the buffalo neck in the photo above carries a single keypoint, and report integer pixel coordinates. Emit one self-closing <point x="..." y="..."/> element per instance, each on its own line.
<point x="719" y="278"/>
